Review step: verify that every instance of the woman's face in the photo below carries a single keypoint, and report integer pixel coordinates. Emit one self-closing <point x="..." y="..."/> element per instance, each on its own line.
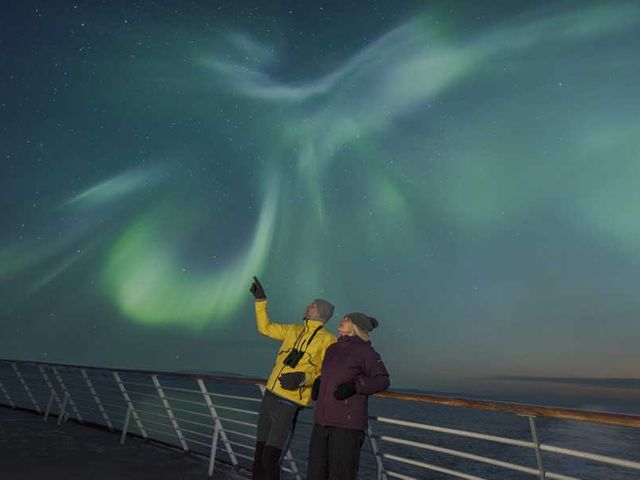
<point x="345" y="327"/>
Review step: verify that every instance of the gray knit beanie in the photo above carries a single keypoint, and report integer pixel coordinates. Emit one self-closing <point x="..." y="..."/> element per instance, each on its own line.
<point x="325" y="309"/>
<point x="362" y="321"/>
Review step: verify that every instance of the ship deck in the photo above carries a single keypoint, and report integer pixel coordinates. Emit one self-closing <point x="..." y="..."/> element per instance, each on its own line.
<point x="31" y="448"/>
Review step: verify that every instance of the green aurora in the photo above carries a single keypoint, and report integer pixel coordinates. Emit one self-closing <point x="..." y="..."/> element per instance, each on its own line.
<point x="469" y="176"/>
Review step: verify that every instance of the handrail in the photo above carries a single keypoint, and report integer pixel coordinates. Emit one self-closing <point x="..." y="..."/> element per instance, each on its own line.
<point x="64" y="380"/>
<point x="192" y="376"/>
<point x="603" y="418"/>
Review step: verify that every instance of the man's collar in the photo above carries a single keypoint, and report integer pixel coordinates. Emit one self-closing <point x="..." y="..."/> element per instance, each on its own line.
<point x="314" y="323"/>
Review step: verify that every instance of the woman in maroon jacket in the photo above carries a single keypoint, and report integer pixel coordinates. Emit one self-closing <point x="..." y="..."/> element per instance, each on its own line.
<point x="351" y="371"/>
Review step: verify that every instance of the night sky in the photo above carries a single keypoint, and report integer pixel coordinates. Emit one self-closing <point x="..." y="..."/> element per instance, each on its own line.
<point x="468" y="175"/>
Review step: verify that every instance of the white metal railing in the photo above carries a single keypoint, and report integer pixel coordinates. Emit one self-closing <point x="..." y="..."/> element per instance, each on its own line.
<point x="215" y="417"/>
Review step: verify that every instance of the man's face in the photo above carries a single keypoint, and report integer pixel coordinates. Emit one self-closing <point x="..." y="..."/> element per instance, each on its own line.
<point x="311" y="311"/>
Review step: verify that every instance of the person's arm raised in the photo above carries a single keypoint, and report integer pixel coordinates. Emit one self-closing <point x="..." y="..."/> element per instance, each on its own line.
<point x="276" y="331"/>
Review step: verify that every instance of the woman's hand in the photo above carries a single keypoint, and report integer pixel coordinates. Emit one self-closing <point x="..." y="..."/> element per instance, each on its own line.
<point x="345" y="390"/>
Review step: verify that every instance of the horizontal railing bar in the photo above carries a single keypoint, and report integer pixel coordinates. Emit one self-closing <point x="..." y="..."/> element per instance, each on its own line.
<point x="239" y="410"/>
<point x="237" y="397"/>
<point x="110" y="405"/>
<point x="153" y="422"/>
<point x="591" y="456"/>
<point x="429" y="466"/>
<point x="152" y="413"/>
<point x="139" y="384"/>
<point x="179" y="419"/>
<point x="605" y="418"/>
<point x="246" y="435"/>
<point x="238" y="444"/>
<point x="522" y="409"/>
<point x="461" y="433"/>
<point x="138" y="402"/>
<point x="477" y="458"/>
<point x="239" y="422"/>
<point x="193" y="376"/>
<point x="178" y="389"/>
<point x="191" y="440"/>
<point x="186" y="401"/>
<point x="558" y="476"/>
<point x="182" y="429"/>
<point x="207" y="415"/>
<point x="143" y="394"/>
<point x="399" y="475"/>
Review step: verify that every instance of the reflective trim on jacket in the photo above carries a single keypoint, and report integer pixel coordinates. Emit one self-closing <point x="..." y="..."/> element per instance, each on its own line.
<point x="290" y="333"/>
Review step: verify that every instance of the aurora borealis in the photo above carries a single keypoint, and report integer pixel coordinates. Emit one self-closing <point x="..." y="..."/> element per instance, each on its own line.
<point x="469" y="174"/>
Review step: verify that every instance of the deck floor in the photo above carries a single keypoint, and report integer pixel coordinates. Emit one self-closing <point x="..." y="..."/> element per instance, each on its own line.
<point x="31" y="448"/>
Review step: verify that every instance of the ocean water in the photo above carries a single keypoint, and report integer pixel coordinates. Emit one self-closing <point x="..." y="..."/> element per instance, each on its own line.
<point x="239" y="415"/>
<point x="599" y="439"/>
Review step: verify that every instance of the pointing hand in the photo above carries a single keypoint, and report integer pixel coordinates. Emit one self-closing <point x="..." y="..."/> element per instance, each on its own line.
<point x="256" y="290"/>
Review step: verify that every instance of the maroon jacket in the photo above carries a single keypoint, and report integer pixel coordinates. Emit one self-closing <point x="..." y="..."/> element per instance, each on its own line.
<point x="351" y="358"/>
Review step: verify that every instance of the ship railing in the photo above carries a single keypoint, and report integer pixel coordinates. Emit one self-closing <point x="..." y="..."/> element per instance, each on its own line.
<point x="215" y="417"/>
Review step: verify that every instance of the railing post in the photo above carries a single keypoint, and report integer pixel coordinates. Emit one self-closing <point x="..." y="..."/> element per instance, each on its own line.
<point x="54" y="394"/>
<point x="63" y="410"/>
<point x="49" y="403"/>
<point x="26" y="387"/>
<point x="382" y="475"/>
<point x="87" y="380"/>
<point x="126" y="425"/>
<point x="127" y="399"/>
<point x="218" y="430"/>
<point x="214" y="447"/>
<point x="292" y="463"/>
<point x="6" y="394"/>
<point x="536" y="446"/>
<point x="67" y="393"/>
<point x="170" y="414"/>
<point x="288" y="455"/>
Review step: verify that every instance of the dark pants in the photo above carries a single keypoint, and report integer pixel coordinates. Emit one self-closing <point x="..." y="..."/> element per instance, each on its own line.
<point x="276" y="422"/>
<point x="334" y="453"/>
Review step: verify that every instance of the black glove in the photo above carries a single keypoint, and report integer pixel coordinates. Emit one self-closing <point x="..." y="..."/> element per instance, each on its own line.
<point x="257" y="290"/>
<point x="315" y="389"/>
<point x="292" y="380"/>
<point x="345" y="390"/>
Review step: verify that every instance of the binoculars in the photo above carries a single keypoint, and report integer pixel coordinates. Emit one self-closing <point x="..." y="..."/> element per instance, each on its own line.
<point x="292" y="359"/>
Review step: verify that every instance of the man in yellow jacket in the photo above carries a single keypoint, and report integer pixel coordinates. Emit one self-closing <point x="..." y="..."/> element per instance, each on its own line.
<point x="288" y="389"/>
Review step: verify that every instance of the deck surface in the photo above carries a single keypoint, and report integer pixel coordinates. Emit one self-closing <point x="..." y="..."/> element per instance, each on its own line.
<point x="31" y="448"/>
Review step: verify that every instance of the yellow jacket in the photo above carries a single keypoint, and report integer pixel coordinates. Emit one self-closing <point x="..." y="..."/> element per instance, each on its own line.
<point x="311" y="361"/>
